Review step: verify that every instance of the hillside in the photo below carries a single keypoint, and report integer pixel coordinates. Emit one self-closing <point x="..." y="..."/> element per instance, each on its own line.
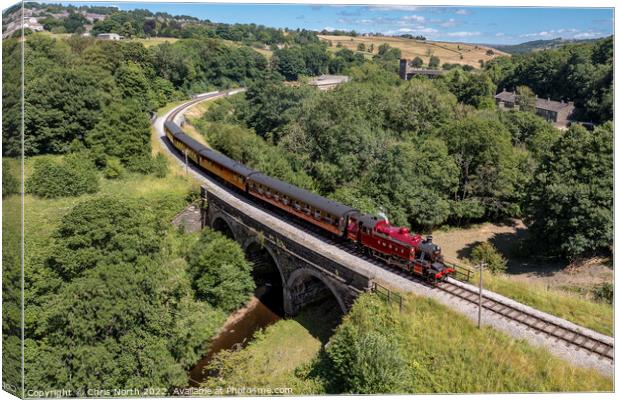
<point x="454" y="53"/>
<point x="538" y="45"/>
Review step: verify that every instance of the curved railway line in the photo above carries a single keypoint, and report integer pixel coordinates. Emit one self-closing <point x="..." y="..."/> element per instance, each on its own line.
<point x="560" y="331"/>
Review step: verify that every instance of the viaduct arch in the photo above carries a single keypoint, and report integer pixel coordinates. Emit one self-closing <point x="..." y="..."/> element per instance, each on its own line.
<point x="305" y="275"/>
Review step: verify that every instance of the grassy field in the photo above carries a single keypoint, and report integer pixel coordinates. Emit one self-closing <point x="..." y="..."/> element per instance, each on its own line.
<point x="153" y="41"/>
<point x="453" y="53"/>
<point x="445" y="351"/>
<point x="570" y="306"/>
<point x="273" y="357"/>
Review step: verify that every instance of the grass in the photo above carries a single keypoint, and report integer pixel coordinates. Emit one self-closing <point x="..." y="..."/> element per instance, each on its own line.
<point x="471" y="360"/>
<point x="571" y="306"/>
<point x="274" y="356"/>
<point x="152" y="41"/>
<point x="454" y="53"/>
<point x="445" y="352"/>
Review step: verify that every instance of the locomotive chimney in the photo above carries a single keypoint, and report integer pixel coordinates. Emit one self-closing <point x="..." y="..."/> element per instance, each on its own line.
<point x="429" y="238"/>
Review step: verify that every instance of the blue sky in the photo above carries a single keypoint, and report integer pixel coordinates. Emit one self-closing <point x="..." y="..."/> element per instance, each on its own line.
<point x="493" y="25"/>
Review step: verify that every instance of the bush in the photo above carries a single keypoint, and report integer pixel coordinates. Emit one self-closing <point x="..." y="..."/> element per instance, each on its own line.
<point x="219" y="271"/>
<point x="104" y="230"/>
<point x="10" y="185"/>
<point x="73" y="176"/>
<point x="114" y="169"/>
<point x="488" y="254"/>
<point x="160" y="166"/>
<point x="365" y="355"/>
<point x="604" y="292"/>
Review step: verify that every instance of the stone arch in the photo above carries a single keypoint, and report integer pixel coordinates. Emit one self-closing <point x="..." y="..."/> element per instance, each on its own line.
<point x="220" y="224"/>
<point x="304" y="275"/>
<point x="267" y="273"/>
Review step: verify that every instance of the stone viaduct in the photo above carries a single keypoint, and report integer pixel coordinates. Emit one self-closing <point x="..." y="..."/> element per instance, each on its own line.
<point x="305" y="275"/>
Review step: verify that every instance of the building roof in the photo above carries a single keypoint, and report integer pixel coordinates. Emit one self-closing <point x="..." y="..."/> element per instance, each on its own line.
<point x="329" y="80"/>
<point x="542" y="104"/>
<point x="552" y="105"/>
<point x="509" y="97"/>
<point x="423" y="71"/>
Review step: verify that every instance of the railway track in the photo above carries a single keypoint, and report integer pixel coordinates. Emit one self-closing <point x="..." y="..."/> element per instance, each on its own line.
<point x="576" y="338"/>
<point x="571" y="337"/>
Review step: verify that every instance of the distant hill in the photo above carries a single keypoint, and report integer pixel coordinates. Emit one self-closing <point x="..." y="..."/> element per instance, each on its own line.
<point x="448" y="52"/>
<point x="538" y="45"/>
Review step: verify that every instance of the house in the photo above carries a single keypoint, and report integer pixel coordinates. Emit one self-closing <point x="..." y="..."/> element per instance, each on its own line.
<point x="326" y="82"/>
<point x="109" y="36"/>
<point x="557" y="112"/>
<point x="406" y="72"/>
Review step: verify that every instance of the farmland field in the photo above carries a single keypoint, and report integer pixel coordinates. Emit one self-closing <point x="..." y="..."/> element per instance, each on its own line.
<point x="454" y="53"/>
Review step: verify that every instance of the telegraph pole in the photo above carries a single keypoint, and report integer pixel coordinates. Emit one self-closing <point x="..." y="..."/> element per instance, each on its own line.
<point x="482" y="265"/>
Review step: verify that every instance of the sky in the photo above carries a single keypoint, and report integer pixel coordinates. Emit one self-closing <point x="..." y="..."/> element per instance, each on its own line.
<point x="490" y="25"/>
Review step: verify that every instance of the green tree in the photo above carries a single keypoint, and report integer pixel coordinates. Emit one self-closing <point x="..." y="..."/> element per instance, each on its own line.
<point x="289" y="62"/>
<point x="487" y="253"/>
<point x="125" y="133"/>
<point x="433" y="62"/>
<point x="489" y="169"/>
<point x="10" y="184"/>
<point x="417" y="62"/>
<point x="364" y="354"/>
<point x="420" y="108"/>
<point x="526" y="99"/>
<point x="108" y="251"/>
<point x="220" y="272"/>
<point x="106" y="228"/>
<point x="73" y="176"/>
<point x="569" y="206"/>
<point x="114" y="169"/>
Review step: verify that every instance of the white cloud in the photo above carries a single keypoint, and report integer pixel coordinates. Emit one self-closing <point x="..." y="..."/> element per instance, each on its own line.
<point x="449" y="23"/>
<point x="462" y="34"/>
<point x="418" y="30"/>
<point x="329" y="28"/>
<point x="499" y="34"/>
<point x="416" y="18"/>
<point x="462" y="11"/>
<point x="398" y="8"/>
<point x="587" y="35"/>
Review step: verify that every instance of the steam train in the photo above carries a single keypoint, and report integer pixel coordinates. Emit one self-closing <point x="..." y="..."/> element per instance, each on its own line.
<point x="375" y="235"/>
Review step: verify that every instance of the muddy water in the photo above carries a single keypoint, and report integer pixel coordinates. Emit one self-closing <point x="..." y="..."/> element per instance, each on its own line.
<point x="235" y="334"/>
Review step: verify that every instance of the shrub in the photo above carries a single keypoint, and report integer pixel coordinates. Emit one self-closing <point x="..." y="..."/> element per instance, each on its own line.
<point x="104" y="230"/>
<point x="604" y="292"/>
<point x="220" y="273"/>
<point x="10" y="185"/>
<point x="114" y="169"/>
<point x="488" y="254"/>
<point x="73" y="176"/>
<point x="365" y="355"/>
<point x="160" y="166"/>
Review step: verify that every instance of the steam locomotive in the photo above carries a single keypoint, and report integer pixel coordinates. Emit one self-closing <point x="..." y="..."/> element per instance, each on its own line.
<point x="375" y="235"/>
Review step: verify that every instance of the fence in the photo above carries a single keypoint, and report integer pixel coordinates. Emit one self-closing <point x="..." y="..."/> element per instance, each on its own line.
<point x="389" y="295"/>
<point x="461" y="273"/>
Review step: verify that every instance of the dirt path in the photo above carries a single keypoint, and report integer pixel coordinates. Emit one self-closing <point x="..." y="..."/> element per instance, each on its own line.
<point x="458" y="243"/>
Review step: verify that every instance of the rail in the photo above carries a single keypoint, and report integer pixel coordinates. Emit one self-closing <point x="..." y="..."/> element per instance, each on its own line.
<point x="388" y="295"/>
<point x="538" y="323"/>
